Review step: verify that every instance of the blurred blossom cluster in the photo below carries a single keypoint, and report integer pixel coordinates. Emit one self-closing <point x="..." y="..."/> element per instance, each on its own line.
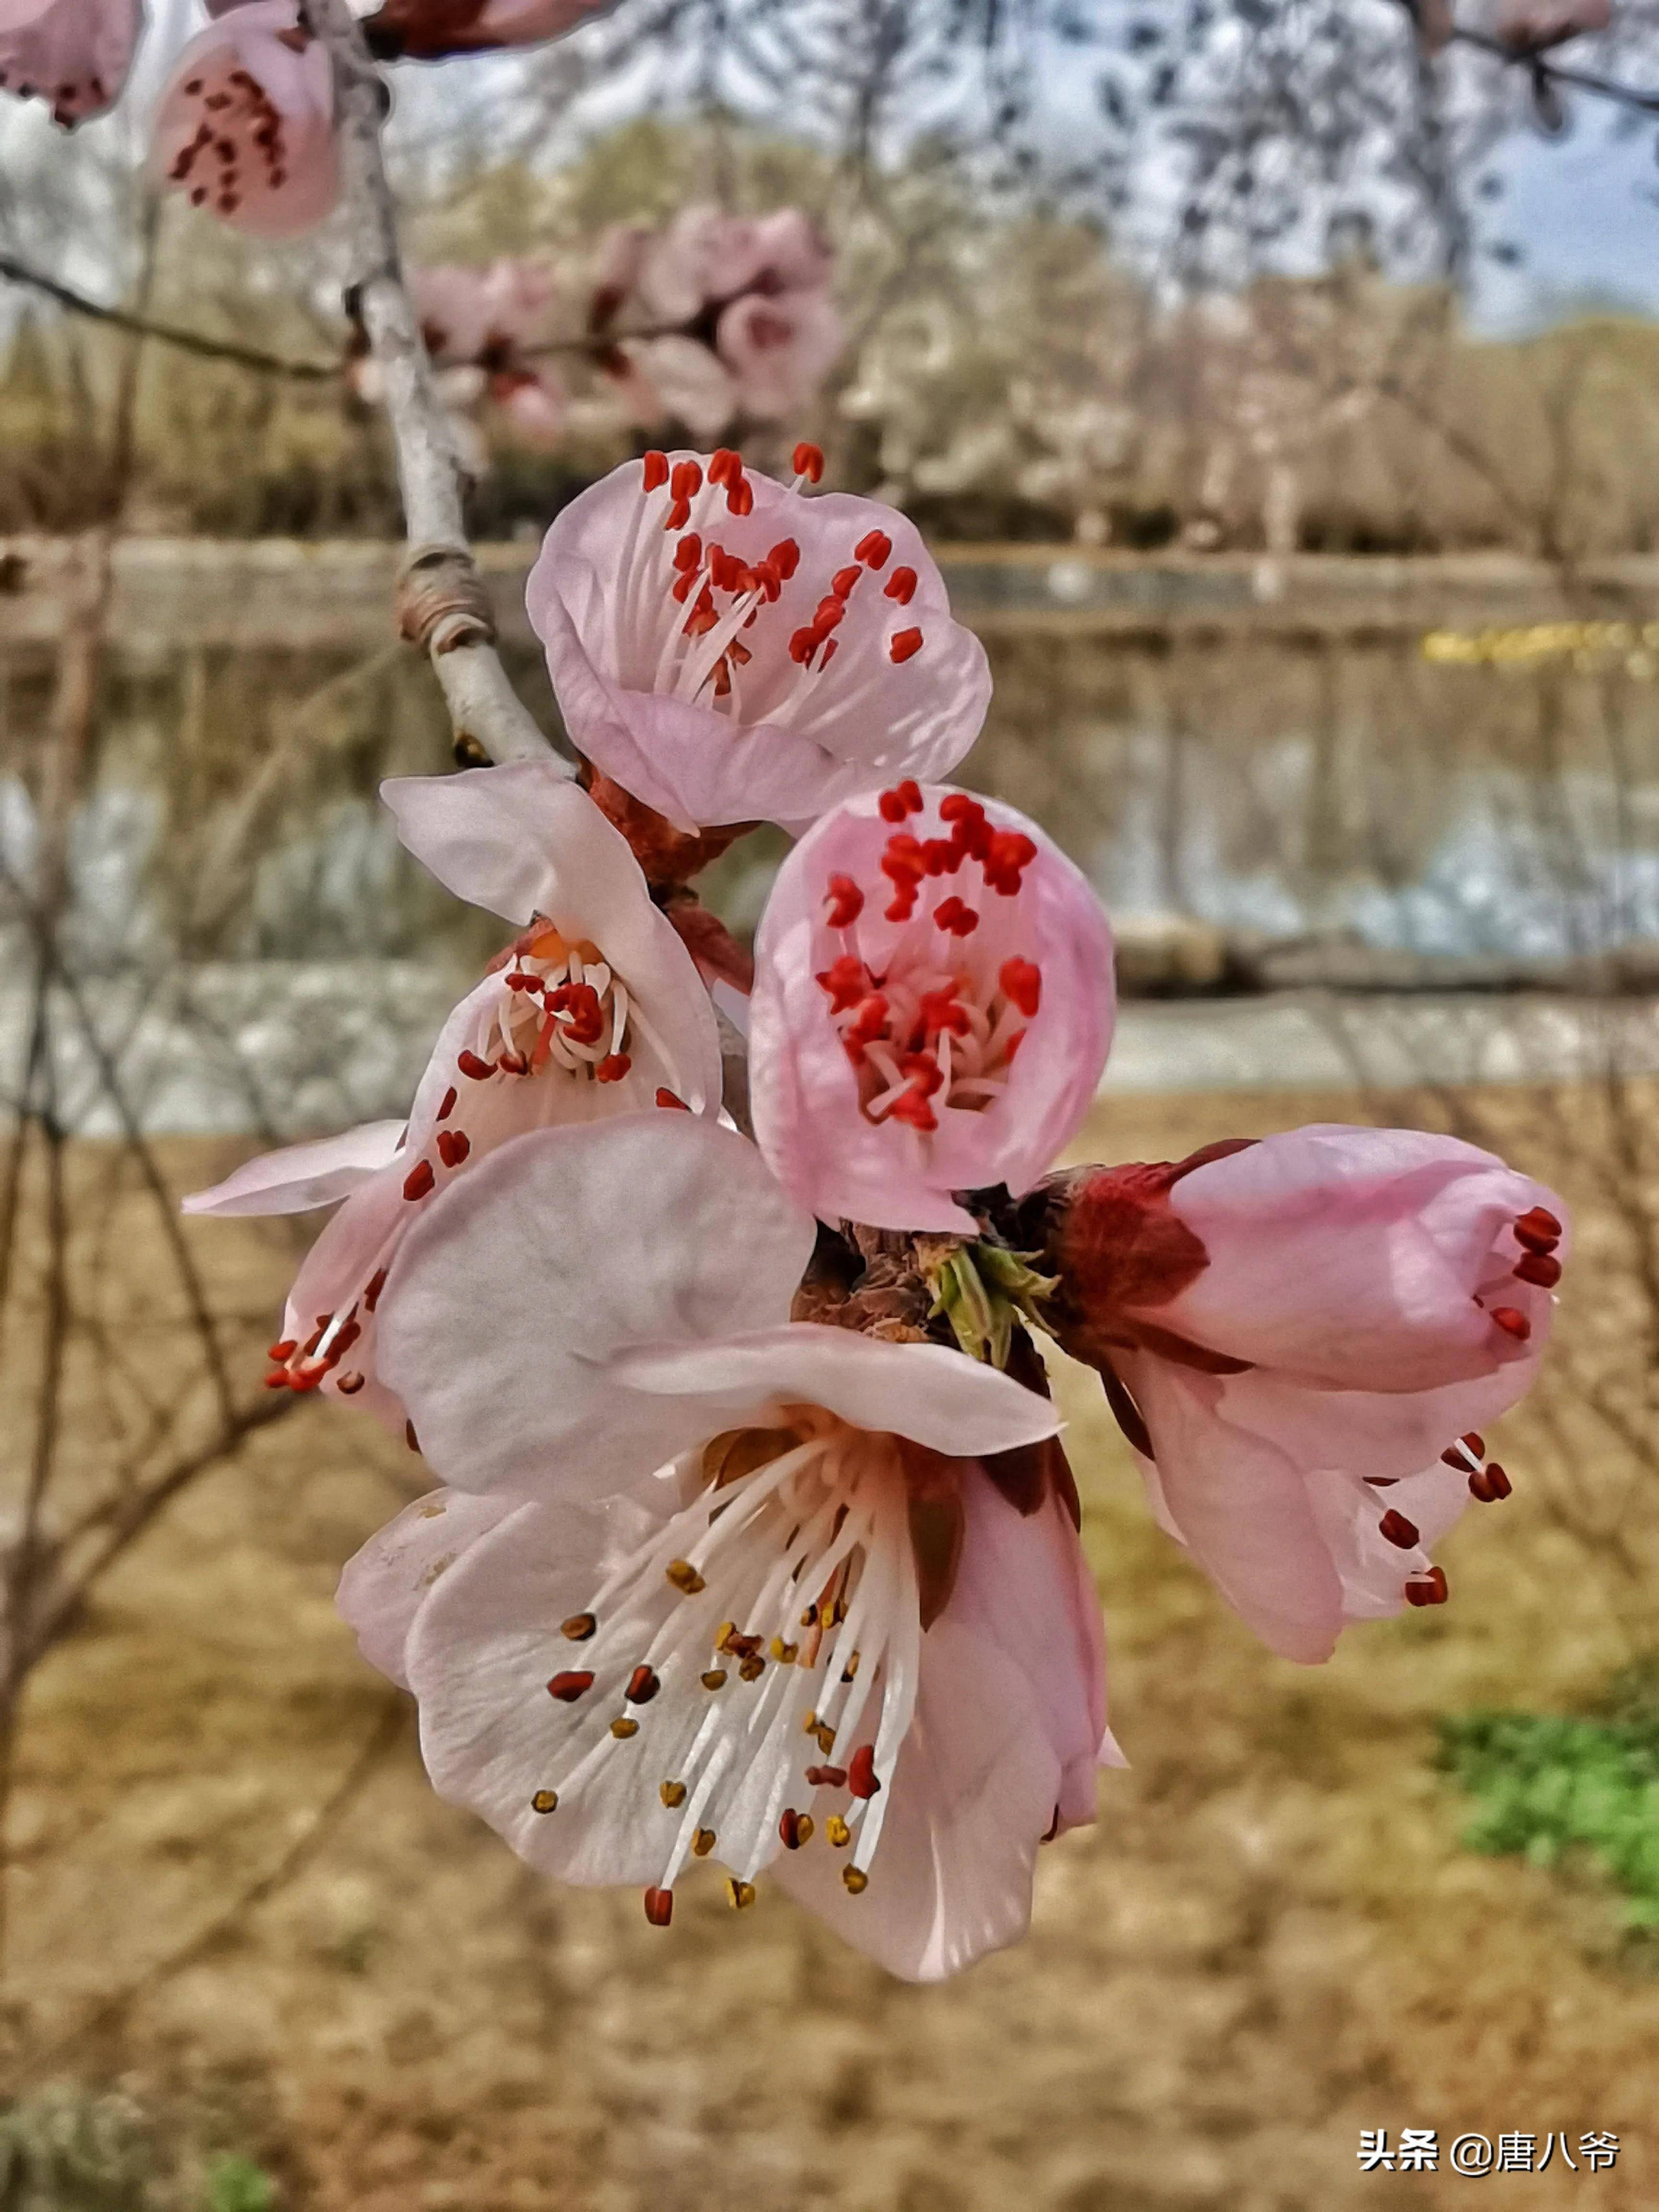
<point x="709" y="321"/>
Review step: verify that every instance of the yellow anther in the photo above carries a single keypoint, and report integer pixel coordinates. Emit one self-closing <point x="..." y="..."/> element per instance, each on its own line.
<point x="785" y="1654"/>
<point x="624" y="1728"/>
<point x="672" y="1793"/>
<point x="715" y="1679"/>
<point x="739" y="1893"/>
<point x="752" y="1667"/>
<point x="829" y="1613"/>
<point x="851" y="1669"/>
<point x="809" y="1616"/>
<point x="826" y="1737"/>
<point x="544" y="1800"/>
<point x="809" y="1725"/>
<point x="702" y="1842"/>
<point x="838" y="1831"/>
<point x="727" y="1630"/>
<point x="549" y="945"/>
<point x="579" y="1627"/>
<point x="686" y="1577"/>
<point x="803" y="1829"/>
<point x="855" y="1879"/>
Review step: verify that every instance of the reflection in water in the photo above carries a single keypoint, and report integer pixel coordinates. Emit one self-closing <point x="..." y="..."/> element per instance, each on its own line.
<point x="261" y="953"/>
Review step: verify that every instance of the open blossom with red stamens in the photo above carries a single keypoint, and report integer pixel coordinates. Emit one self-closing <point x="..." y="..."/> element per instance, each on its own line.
<point x="725" y="649"/>
<point x="72" y="54"/>
<point x="721" y="1584"/>
<point x="245" y="127"/>
<point x="594" y="1010"/>
<point x="931" y="1011"/>
<point x="1303" y="1338"/>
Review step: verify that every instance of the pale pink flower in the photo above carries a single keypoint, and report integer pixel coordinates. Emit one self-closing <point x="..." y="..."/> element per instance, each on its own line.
<point x="728" y="650"/>
<point x="932" y="1008"/>
<point x="1304" y="1337"/>
<point x="429" y="30"/>
<point x="596" y="1009"/>
<point x="726" y="1583"/>
<point x="778" y="348"/>
<point x="245" y="127"/>
<point x="73" y="54"/>
<point x="487" y="320"/>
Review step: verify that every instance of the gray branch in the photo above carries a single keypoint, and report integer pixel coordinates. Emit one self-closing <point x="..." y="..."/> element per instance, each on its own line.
<point x="447" y="610"/>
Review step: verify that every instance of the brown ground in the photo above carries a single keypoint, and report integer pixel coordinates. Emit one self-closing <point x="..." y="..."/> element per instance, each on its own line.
<point x="1270" y="1940"/>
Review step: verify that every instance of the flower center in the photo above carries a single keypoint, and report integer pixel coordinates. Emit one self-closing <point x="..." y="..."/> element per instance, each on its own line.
<point x="697" y="618"/>
<point x="240" y="129"/>
<point x="940" y="1022"/>
<point x="758" y="1654"/>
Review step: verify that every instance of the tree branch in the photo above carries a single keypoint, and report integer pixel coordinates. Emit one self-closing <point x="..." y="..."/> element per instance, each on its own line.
<point x="197" y="342"/>
<point x="442" y="604"/>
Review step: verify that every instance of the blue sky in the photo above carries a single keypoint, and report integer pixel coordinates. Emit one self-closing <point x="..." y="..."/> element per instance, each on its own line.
<point x="1585" y="211"/>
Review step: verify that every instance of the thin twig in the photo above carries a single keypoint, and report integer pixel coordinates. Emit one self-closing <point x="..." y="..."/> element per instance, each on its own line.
<point x="482" y="704"/>
<point x="171" y="334"/>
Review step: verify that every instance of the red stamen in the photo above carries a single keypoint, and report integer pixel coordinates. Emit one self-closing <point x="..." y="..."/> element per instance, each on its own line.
<point x="845" y="901"/>
<point x="349" y="1385"/>
<point x="784" y="557"/>
<point x="614" y="1067"/>
<point x="1539" y="1267"/>
<point x="740" y="497"/>
<point x="1512" y="1323"/>
<point x="861" y="1778"/>
<point x="870" y="1021"/>
<point x="874" y="549"/>
<point x="1398" y="1529"/>
<point x="685" y="479"/>
<point x="789" y="1829"/>
<point x="905" y="647"/>
<point x="809" y="462"/>
<point x="453" y="1146"/>
<point x="419" y="1180"/>
<point x="688" y="554"/>
<point x="1022" y="984"/>
<point x="1489" y="1483"/>
<point x="284" y="1348"/>
<point x="656" y="472"/>
<point x="642" y="1686"/>
<point x="842" y="582"/>
<point x="568" y="1686"/>
<point x="722" y="463"/>
<point x="1541" y="1220"/>
<point x="943" y="1010"/>
<point x="951" y="915"/>
<point x="1428" y="1589"/>
<point x="660" y="1906"/>
<point x="371" y="1295"/>
<point x="448" y="1106"/>
<point x="912" y="1106"/>
<point x="901" y="586"/>
<point x="667" y="1099"/>
<point x="478" y="1070"/>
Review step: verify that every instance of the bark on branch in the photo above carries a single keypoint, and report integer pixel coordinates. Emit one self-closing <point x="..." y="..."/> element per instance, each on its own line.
<point x="443" y="606"/>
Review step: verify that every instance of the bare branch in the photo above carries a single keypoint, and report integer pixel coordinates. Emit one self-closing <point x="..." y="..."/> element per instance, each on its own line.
<point x="443" y="606"/>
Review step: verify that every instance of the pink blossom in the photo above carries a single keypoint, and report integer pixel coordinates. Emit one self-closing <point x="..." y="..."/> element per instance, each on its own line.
<point x="717" y="316"/>
<point x="429" y="30"/>
<point x="246" y="126"/>
<point x="595" y="1010"/>
<point x="1303" y="1338"/>
<point x="727" y="651"/>
<point x="73" y="54"/>
<point x="803" y="1628"/>
<point x="487" y="320"/>
<point x="932" y="1008"/>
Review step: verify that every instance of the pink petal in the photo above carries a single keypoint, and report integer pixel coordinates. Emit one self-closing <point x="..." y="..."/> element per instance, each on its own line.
<point x="928" y="1392"/>
<point x="481" y="1652"/>
<point x="810" y="1116"/>
<point x="975" y="1790"/>
<point x="1353" y="1257"/>
<point x="72" y="54"/>
<point x="799" y="739"/>
<point x="516" y="1292"/>
<point x="687" y="382"/>
<point x="779" y="347"/>
<point x="263" y="158"/>
<point x="300" y="1176"/>
<point x="1242" y="1507"/>
<point x="385" y="1584"/>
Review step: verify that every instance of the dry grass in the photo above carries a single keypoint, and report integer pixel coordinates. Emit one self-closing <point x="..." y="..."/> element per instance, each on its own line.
<point x="1270" y="1940"/>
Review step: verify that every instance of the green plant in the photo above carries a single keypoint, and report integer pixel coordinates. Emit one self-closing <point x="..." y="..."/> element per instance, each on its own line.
<point x="1550" y="1785"/>
<point x="237" y="2184"/>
